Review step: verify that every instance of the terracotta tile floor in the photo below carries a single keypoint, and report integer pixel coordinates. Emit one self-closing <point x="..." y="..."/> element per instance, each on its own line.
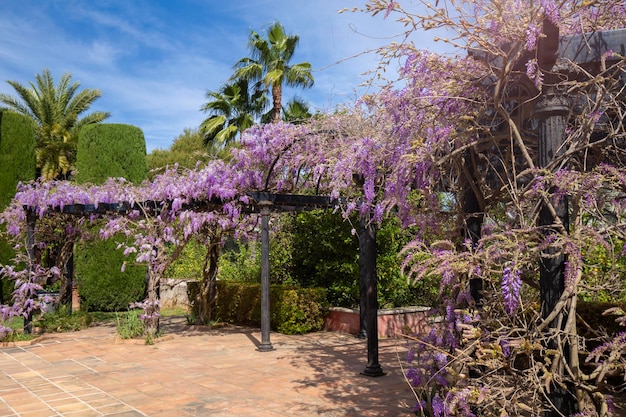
<point x="200" y="372"/>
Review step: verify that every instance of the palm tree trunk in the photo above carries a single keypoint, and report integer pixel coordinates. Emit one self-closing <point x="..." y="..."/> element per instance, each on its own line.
<point x="277" y="97"/>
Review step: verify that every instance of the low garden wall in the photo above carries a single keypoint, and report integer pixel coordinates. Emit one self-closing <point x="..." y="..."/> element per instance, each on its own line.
<point x="295" y="310"/>
<point x="391" y="322"/>
<point x="174" y="293"/>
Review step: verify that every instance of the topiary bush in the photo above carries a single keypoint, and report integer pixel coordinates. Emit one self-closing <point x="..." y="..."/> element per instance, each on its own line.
<point x="292" y="310"/>
<point x="17" y="164"/>
<point x="102" y="285"/>
<point x="105" y="151"/>
<point x="111" y="150"/>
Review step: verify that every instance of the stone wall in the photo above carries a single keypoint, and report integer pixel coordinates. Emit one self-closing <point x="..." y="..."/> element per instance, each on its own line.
<point x="174" y="294"/>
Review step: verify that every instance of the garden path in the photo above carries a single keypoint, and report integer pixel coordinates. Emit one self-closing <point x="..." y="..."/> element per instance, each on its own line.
<point x="195" y="371"/>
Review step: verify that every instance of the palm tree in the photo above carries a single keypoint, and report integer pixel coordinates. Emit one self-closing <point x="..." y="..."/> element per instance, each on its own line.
<point x="297" y="111"/>
<point x="231" y="110"/>
<point x="270" y="66"/>
<point x="55" y="112"/>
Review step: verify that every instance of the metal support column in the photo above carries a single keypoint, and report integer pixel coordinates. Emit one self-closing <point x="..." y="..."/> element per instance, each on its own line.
<point x="362" y="287"/>
<point x="552" y="111"/>
<point x="473" y="226"/>
<point x="265" y="345"/>
<point x="367" y="244"/>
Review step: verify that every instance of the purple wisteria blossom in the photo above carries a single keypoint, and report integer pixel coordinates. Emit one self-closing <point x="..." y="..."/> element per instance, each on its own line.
<point x="511" y="285"/>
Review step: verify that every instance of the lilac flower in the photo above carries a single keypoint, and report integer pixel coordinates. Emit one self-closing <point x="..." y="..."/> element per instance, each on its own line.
<point x="551" y="10"/>
<point x="420" y="406"/>
<point x="506" y="348"/>
<point x="511" y="285"/>
<point x="439" y="407"/>
<point x="410" y="354"/>
<point x="389" y="8"/>
<point x="440" y="359"/>
<point x="414" y="377"/>
<point x="532" y="34"/>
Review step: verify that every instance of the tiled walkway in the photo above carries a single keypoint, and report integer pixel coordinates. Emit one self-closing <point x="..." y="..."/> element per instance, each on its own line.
<point x="200" y="372"/>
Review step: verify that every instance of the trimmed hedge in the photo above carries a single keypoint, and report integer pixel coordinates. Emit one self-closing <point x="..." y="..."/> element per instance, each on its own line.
<point x="17" y="154"/>
<point x="292" y="310"/>
<point x="105" y="151"/>
<point x="102" y="285"/>
<point x="111" y="150"/>
<point x="17" y="163"/>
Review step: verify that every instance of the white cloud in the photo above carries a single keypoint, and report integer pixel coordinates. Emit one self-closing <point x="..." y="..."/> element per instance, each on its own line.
<point x="102" y="54"/>
<point x="154" y="61"/>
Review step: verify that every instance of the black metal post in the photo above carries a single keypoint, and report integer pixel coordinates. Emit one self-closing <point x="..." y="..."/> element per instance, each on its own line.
<point x="31" y="222"/>
<point x="362" y="287"/>
<point x="552" y="111"/>
<point x="473" y="225"/>
<point x="265" y="345"/>
<point x="367" y="244"/>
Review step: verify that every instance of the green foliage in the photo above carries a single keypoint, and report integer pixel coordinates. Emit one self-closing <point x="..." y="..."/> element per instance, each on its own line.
<point x="292" y="310"/>
<point x="102" y="284"/>
<point x="325" y="254"/>
<point x="104" y="151"/>
<point x="190" y="262"/>
<point x="232" y="110"/>
<point x="54" y="111"/>
<point x="16" y="324"/>
<point x="17" y="164"/>
<point x="393" y="288"/>
<point x="64" y="320"/>
<point x="270" y="64"/>
<point x="17" y="154"/>
<point x="187" y="150"/>
<point x="299" y="310"/>
<point x="603" y="269"/>
<point x="318" y="249"/>
<point x="129" y="324"/>
<point x="111" y="150"/>
<point x="241" y="262"/>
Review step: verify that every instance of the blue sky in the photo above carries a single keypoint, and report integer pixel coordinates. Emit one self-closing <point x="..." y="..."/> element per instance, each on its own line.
<point x="155" y="60"/>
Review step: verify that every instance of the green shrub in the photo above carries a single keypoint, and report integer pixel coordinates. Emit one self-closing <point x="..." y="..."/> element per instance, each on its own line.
<point x="17" y="154"/>
<point x="101" y="283"/>
<point x="298" y="310"/>
<point x="292" y="310"/>
<point x="62" y="320"/>
<point x="111" y="150"/>
<point x="104" y="151"/>
<point x="326" y="254"/>
<point x="190" y="262"/>
<point x="17" y="164"/>
<point x="241" y="262"/>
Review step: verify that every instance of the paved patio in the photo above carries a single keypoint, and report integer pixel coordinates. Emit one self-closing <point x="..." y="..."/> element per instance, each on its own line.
<point x="199" y="372"/>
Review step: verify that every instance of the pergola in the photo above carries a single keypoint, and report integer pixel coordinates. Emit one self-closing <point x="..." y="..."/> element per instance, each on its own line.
<point x="264" y="204"/>
<point x="549" y="108"/>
